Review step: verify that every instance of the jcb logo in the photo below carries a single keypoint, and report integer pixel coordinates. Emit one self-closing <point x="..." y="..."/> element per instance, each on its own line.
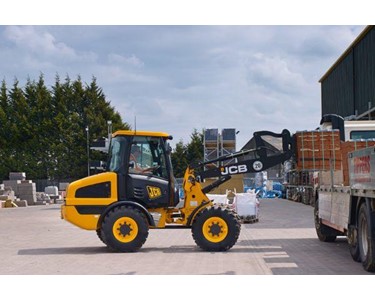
<point x="234" y="170"/>
<point x="153" y="192"/>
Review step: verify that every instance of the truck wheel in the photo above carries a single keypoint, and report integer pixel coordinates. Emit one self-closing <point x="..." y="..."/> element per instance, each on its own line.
<point x="353" y="243"/>
<point x="324" y="232"/>
<point x="124" y="229"/>
<point x="216" y="229"/>
<point x="366" y="243"/>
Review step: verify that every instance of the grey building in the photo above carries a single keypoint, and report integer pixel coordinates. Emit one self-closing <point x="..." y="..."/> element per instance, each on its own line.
<point x="348" y="87"/>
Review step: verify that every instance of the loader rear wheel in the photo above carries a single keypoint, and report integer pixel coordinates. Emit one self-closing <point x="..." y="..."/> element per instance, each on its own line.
<point x="216" y="229"/>
<point x="365" y="241"/>
<point x="124" y="229"/>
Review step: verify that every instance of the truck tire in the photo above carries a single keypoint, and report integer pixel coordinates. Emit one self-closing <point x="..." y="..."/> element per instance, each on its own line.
<point x="353" y="243"/>
<point x="216" y="228"/>
<point x="124" y="229"/>
<point x="365" y="240"/>
<point x="324" y="233"/>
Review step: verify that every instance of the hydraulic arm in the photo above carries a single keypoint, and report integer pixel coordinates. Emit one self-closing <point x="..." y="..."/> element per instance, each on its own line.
<point x="247" y="161"/>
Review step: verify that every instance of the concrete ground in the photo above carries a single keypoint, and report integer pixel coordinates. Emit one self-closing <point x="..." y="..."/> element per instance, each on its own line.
<point x="35" y="241"/>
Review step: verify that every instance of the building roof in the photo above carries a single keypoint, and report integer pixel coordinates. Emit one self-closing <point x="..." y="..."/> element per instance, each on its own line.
<point x="271" y="142"/>
<point x="347" y="51"/>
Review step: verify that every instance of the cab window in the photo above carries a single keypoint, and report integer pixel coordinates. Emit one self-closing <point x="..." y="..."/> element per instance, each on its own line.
<point x="362" y="135"/>
<point x="147" y="156"/>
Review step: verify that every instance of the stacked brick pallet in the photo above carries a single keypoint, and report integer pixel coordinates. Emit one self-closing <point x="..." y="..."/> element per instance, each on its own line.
<point x="350" y="146"/>
<point x="318" y="150"/>
<point x="321" y="150"/>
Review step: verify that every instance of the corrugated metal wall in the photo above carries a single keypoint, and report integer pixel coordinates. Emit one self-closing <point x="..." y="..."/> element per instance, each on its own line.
<point x="364" y="70"/>
<point x="338" y="89"/>
<point x="350" y="86"/>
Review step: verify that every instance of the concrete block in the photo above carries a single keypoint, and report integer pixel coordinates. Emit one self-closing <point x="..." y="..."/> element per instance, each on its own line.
<point x="26" y="181"/>
<point x="21" y="203"/>
<point x="31" y="199"/>
<point x="17" y="175"/>
<point x="2" y="204"/>
<point x="11" y="183"/>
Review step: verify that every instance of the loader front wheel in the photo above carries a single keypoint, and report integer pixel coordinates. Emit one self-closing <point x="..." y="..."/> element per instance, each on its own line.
<point x="216" y="229"/>
<point x="124" y="229"/>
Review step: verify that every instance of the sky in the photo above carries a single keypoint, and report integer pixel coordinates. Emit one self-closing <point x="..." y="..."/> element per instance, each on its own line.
<point x="176" y="66"/>
<point x="180" y="78"/>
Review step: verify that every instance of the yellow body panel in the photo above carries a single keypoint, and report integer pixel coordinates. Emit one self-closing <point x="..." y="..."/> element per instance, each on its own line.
<point x="95" y="179"/>
<point x="87" y="221"/>
<point x="70" y="214"/>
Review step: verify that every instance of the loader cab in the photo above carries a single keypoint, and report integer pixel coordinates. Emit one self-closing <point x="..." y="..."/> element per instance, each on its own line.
<point x="143" y="166"/>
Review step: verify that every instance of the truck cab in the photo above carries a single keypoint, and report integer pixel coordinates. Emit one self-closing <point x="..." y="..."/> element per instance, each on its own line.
<point x="350" y="130"/>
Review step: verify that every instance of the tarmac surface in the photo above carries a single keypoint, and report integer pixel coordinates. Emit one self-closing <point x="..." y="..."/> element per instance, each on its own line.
<point x="36" y="241"/>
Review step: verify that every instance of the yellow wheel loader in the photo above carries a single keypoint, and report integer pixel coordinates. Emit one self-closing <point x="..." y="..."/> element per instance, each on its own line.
<point x="138" y="192"/>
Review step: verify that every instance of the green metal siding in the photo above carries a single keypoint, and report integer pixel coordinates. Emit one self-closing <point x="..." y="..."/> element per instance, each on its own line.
<point x="337" y="89"/>
<point x="364" y="70"/>
<point x="350" y="86"/>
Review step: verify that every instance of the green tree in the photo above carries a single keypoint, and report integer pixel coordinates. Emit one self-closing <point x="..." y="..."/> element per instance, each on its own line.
<point x="179" y="160"/>
<point x="43" y="131"/>
<point x="195" y="148"/>
<point x="183" y="155"/>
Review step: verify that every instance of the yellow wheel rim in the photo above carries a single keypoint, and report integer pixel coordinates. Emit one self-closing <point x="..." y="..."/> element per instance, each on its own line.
<point x="125" y="229"/>
<point x="215" y="229"/>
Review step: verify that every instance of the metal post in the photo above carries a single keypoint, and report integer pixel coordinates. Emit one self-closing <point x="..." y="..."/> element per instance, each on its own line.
<point x="88" y="151"/>
<point x="109" y="123"/>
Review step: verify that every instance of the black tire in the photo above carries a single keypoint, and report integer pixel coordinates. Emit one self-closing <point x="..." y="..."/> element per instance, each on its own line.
<point x="101" y="235"/>
<point x="365" y="241"/>
<point x="124" y="229"/>
<point x="353" y="243"/>
<point x="216" y="228"/>
<point x="324" y="233"/>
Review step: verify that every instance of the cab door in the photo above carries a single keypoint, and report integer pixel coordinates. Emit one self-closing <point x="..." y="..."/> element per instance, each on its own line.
<point x="148" y="181"/>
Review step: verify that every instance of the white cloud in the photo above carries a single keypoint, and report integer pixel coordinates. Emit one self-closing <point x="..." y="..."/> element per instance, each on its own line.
<point x="40" y="43"/>
<point x="127" y="60"/>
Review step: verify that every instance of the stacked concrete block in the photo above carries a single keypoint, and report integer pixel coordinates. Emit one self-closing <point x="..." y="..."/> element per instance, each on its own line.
<point x="26" y="190"/>
<point x="12" y="184"/>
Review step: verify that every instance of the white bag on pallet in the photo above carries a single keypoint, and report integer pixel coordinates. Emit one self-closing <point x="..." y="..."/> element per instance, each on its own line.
<point x="246" y="204"/>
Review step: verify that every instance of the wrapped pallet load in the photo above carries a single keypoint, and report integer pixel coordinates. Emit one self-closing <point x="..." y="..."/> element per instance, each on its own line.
<point x="247" y="206"/>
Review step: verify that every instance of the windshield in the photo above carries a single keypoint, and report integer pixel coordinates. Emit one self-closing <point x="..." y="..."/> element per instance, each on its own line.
<point x="116" y="154"/>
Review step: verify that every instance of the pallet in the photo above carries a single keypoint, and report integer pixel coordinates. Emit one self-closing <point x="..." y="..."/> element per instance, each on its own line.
<point x="249" y="219"/>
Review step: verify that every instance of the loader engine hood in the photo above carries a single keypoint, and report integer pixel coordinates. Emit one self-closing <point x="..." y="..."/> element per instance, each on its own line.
<point x="100" y="189"/>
